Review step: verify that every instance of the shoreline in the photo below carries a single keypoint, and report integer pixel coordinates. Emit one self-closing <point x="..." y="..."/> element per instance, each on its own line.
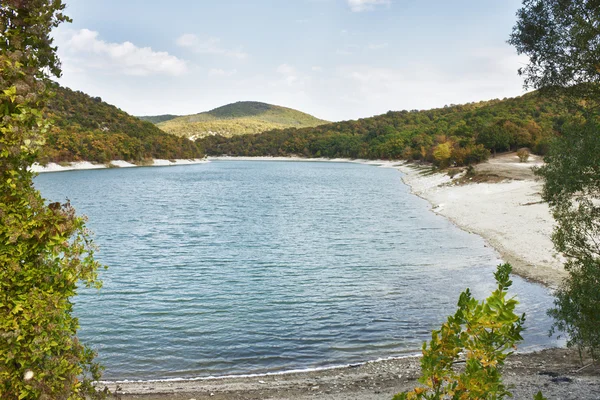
<point x="556" y="372"/>
<point x="508" y="214"/>
<point x="87" y="165"/>
<point x="301" y="371"/>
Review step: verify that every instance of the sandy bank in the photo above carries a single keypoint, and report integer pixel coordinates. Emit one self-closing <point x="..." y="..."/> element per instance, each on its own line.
<point x="508" y="214"/>
<point x="86" y="165"/>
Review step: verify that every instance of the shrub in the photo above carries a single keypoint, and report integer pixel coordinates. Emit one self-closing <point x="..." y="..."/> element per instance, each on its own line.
<point x="523" y="155"/>
<point x="479" y="335"/>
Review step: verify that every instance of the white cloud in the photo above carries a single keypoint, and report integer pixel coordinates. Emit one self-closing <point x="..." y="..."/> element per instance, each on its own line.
<point x="481" y="75"/>
<point x="221" y="72"/>
<point x="378" y="46"/>
<point x="343" y="52"/>
<point x="82" y="49"/>
<point x="289" y="73"/>
<point x="209" y="45"/>
<point x="364" y="5"/>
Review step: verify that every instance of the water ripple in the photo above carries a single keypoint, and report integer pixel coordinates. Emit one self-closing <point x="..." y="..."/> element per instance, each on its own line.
<point x="249" y="267"/>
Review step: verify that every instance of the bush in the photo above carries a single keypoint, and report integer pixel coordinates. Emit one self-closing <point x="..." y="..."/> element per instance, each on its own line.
<point x="523" y="155"/>
<point x="479" y="335"/>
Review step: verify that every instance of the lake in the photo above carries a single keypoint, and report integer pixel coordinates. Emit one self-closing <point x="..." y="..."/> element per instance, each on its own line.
<point x="237" y="267"/>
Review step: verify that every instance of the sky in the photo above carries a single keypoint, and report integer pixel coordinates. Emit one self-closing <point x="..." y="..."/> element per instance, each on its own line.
<point x="335" y="59"/>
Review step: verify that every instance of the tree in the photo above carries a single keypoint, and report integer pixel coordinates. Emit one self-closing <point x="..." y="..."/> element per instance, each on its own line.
<point x="45" y="250"/>
<point x="442" y="153"/>
<point x="562" y="40"/>
<point x="495" y="137"/>
<point x="572" y="188"/>
<point x="479" y="335"/>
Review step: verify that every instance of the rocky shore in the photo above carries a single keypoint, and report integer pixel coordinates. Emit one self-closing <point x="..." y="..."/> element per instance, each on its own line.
<point x="558" y="373"/>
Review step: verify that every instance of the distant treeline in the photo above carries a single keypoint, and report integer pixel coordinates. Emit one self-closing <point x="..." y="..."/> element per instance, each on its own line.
<point x="453" y="135"/>
<point x="155" y="119"/>
<point x="86" y="128"/>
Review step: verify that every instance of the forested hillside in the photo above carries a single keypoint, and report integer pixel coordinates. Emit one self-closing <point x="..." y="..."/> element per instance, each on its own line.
<point x="243" y="117"/>
<point x="86" y="128"/>
<point x="454" y="135"/>
<point x="155" y="119"/>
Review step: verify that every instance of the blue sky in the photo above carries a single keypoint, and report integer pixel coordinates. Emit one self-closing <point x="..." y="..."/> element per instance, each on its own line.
<point x="335" y="59"/>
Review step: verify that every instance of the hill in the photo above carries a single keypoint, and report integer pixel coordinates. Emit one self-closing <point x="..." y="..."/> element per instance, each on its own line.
<point x="155" y="119"/>
<point x="453" y="135"/>
<point x="244" y="117"/>
<point x="86" y="128"/>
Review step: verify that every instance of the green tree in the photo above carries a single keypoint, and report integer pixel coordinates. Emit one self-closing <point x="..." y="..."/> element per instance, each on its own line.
<point x="562" y="40"/>
<point x="572" y="188"/>
<point x="45" y="250"/>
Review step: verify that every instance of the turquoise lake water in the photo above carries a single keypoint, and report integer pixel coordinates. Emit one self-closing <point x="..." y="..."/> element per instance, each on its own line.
<point x="236" y="267"/>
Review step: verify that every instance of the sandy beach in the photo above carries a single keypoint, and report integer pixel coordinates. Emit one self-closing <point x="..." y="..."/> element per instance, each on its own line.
<point x="86" y="165"/>
<point x="506" y="209"/>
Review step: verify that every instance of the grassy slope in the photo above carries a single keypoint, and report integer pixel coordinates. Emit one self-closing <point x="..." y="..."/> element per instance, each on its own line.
<point x="86" y="128"/>
<point x="237" y="119"/>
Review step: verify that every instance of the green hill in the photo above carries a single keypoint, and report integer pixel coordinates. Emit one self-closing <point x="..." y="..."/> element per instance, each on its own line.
<point x="454" y="135"/>
<point x="244" y="117"/>
<point x="86" y="128"/>
<point x="155" y="119"/>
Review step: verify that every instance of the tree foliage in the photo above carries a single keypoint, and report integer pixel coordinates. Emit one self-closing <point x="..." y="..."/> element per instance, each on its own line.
<point x="562" y="40"/>
<point x="479" y="335"/>
<point x="470" y="132"/>
<point x="88" y="129"/>
<point x="572" y="188"/>
<point x="45" y="250"/>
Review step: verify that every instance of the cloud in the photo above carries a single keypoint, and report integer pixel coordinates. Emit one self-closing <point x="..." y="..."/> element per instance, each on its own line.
<point x="377" y="46"/>
<point x="221" y="72"/>
<point x="289" y="73"/>
<point x="82" y="50"/>
<point x="343" y="52"/>
<point x="211" y="45"/>
<point x="364" y="5"/>
<point x="482" y="74"/>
